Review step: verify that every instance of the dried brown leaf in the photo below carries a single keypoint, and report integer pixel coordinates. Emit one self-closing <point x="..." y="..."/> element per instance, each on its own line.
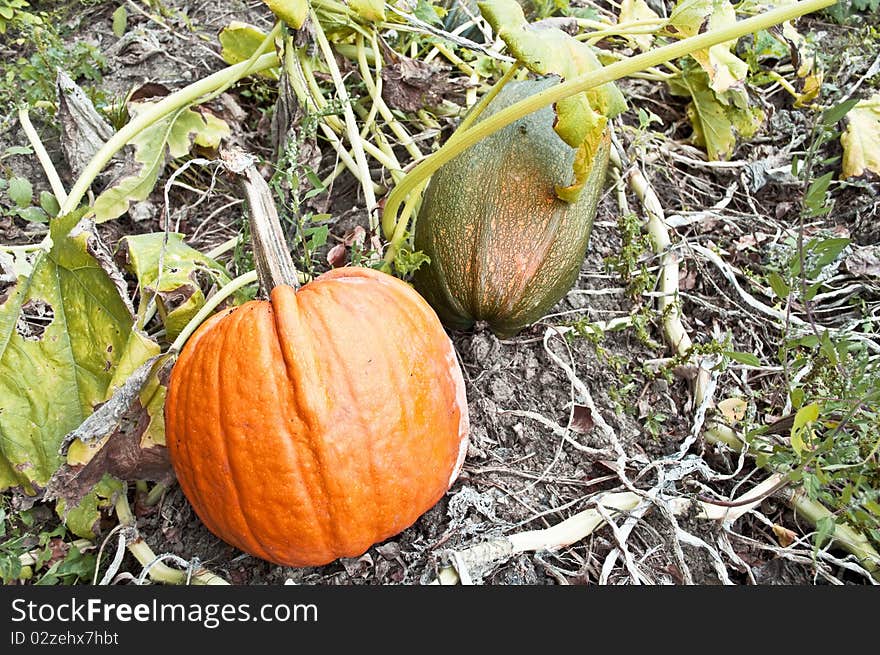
<point x="864" y="261"/>
<point x="582" y="419"/>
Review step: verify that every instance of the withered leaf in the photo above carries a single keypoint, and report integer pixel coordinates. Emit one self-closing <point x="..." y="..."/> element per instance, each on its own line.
<point x="83" y="129"/>
<point x="117" y="432"/>
<point x="582" y="419"/>
<point x="410" y="85"/>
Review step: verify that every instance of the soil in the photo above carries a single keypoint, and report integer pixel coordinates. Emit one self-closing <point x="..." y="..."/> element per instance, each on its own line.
<point x="537" y="454"/>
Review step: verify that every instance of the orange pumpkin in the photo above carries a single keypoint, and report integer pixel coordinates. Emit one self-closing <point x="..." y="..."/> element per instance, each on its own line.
<point x="312" y="426"/>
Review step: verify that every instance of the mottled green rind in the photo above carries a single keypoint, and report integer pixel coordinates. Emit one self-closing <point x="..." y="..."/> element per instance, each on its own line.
<point x="504" y="248"/>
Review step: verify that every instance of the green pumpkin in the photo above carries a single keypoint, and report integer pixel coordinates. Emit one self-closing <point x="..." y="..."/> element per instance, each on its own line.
<point x="503" y="248"/>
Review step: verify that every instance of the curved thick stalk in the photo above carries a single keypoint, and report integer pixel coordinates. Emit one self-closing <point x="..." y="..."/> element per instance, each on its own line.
<point x="159" y="572"/>
<point x="210" y="305"/>
<point x="581" y="83"/>
<point x="474" y="559"/>
<point x="400" y="230"/>
<point x="184" y="97"/>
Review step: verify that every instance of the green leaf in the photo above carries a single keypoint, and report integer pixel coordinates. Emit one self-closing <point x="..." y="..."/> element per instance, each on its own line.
<point x="833" y="115"/>
<point x="63" y="329"/>
<point x="172" y="136"/>
<point x="75" y="567"/>
<point x="20" y="191"/>
<point x="826" y="347"/>
<point x="407" y="262"/>
<point x="825" y="528"/>
<point x="316" y="235"/>
<point x="743" y="358"/>
<point x="861" y="140"/>
<point x="815" y="197"/>
<point x="27" y="518"/>
<point x="292" y="12"/>
<point x="82" y="519"/>
<point x="779" y="286"/>
<point x="581" y="119"/>
<point x="767" y="45"/>
<point x="120" y="20"/>
<point x="10" y="567"/>
<point x="429" y="13"/>
<point x="187" y="276"/>
<point x="33" y="215"/>
<point x="824" y="252"/>
<point x="16" y="150"/>
<point x="49" y="203"/>
<point x="797" y="397"/>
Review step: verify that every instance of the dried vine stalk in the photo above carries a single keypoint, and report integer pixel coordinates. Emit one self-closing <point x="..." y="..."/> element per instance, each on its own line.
<point x="717" y="433"/>
<point x="465" y="564"/>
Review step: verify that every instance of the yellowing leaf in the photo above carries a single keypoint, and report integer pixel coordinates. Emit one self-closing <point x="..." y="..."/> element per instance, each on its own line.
<point x="785" y="536"/>
<point x="638" y="10"/>
<point x="370" y="10"/>
<point x="804" y="54"/>
<point x="733" y="409"/>
<point x="82" y="519"/>
<point x="811" y="85"/>
<point x="238" y="41"/>
<point x="550" y="51"/>
<point x="187" y="278"/>
<point x="152" y="399"/>
<point x="805" y="417"/>
<point x="716" y="119"/>
<point x="292" y="12"/>
<point x="80" y="454"/>
<point x="581" y="119"/>
<point x="138" y="349"/>
<point x="689" y="18"/>
<point x="63" y="331"/>
<point x="584" y="157"/>
<point x="861" y="140"/>
<point x="172" y="136"/>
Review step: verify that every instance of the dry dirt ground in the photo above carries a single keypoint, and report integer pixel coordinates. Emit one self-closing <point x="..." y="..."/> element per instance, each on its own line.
<point x="538" y="455"/>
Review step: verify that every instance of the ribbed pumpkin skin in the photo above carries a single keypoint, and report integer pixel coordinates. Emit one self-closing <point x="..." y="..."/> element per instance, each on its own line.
<point x="504" y="249"/>
<point x="313" y="426"/>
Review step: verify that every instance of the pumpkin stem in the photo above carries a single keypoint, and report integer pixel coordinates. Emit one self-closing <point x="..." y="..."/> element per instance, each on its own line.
<point x="271" y="257"/>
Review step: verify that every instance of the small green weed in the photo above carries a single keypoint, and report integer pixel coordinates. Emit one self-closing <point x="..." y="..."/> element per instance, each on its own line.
<point x="17" y="194"/>
<point x="42" y="557"/>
